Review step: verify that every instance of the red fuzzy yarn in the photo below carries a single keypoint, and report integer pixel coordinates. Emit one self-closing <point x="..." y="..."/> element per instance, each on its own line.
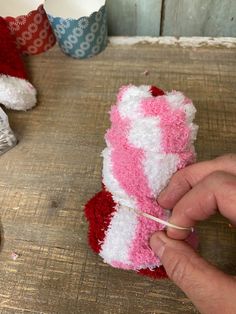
<point x="10" y="60"/>
<point x="157" y="273"/>
<point x="98" y="212"/>
<point x="156" y="91"/>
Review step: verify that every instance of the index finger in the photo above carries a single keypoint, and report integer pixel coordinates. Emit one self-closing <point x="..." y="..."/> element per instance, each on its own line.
<point x="217" y="192"/>
<point x="183" y="180"/>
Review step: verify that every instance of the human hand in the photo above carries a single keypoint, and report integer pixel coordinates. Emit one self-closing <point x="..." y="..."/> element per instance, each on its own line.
<point x="195" y="193"/>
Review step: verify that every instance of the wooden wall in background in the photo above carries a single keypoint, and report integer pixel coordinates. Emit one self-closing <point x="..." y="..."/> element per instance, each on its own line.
<point x="172" y="17"/>
<point x="134" y="17"/>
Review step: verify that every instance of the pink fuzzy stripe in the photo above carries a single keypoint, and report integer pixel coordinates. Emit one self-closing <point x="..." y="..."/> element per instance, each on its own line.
<point x="173" y="125"/>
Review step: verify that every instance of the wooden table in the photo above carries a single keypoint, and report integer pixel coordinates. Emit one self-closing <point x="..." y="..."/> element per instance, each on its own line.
<point x="56" y="168"/>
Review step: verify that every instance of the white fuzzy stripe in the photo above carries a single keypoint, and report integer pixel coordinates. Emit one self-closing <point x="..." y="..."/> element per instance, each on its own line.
<point x="112" y="185"/>
<point x="178" y="100"/>
<point x="175" y="99"/>
<point x="193" y="134"/>
<point x="145" y="133"/>
<point x="158" y="169"/>
<point x="119" y="236"/>
<point x="129" y="106"/>
<point x="16" y="93"/>
<point x="190" y="112"/>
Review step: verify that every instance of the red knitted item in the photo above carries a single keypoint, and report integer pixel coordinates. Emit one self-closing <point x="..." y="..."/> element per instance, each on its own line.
<point x="98" y="212"/>
<point x="156" y="273"/>
<point x="10" y="60"/>
<point x="156" y="91"/>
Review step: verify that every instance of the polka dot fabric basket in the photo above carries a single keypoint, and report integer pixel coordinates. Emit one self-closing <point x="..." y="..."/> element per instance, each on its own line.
<point x="32" y="30"/>
<point x="81" y="37"/>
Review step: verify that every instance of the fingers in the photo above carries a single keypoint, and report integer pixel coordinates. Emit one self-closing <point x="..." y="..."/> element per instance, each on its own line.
<point x="188" y="177"/>
<point x="215" y="192"/>
<point x="201" y="281"/>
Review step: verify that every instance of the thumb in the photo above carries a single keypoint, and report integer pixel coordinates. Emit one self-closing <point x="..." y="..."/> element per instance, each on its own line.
<point x="201" y="281"/>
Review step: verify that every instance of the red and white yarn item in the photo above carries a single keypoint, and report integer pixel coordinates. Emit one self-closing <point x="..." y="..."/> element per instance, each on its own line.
<point x="16" y="92"/>
<point x="33" y="31"/>
<point x="151" y="137"/>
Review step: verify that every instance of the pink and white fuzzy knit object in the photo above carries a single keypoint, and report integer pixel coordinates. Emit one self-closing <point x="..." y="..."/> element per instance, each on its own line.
<point x="151" y="137"/>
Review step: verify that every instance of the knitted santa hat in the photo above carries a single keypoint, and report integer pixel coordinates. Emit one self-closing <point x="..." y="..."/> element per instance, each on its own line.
<point x="151" y="137"/>
<point x="15" y="91"/>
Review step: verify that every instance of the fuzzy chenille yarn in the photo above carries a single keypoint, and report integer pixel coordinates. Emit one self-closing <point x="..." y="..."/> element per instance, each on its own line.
<point x="151" y="137"/>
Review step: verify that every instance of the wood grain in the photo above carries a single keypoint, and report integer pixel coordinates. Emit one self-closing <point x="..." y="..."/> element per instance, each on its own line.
<point x="134" y="17"/>
<point x="199" y="18"/>
<point x="172" y="18"/>
<point x="56" y="167"/>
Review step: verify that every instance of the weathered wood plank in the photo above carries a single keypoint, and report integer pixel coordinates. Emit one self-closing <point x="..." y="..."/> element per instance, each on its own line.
<point x="122" y="17"/>
<point x="199" y="18"/>
<point x="134" y="17"/>
<point x="148" y="17"/>
<point x="56" y="167"/>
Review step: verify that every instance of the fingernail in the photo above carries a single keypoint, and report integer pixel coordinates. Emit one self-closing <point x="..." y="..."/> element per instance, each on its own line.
<point x="178" y="234"/>
<point x="157" y="245"/>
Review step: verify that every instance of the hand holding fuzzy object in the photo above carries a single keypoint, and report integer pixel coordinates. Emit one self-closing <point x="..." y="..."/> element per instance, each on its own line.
<point x="151" y="137"/>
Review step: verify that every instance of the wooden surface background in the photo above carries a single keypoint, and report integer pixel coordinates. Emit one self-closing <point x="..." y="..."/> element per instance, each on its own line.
<point x="56" y="167"/>
<point x="172" y="17"/>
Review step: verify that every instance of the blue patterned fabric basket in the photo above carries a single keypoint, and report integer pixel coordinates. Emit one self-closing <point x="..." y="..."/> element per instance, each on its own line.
<point x="84" y="37"/>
